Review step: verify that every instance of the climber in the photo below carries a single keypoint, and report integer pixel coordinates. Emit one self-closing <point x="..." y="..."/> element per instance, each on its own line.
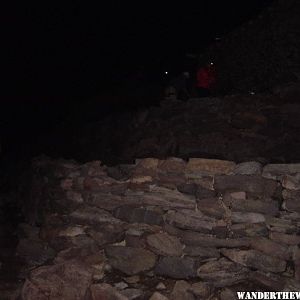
<point x="178" y="87"/>
<point x="206" y="80"/>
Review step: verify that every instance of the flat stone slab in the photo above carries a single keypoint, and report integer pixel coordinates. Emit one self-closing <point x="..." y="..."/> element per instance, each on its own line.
<point x="176" y="267"/>
<point x="130" y="260"/>
<point x="201" y="252"/>
<point x="248" y="168"/>
<point x="190" y="219"/>
<point x="165" y="244"/>
<point x="241" y="230"/>
<point x="288" y="239"/>
<point x="197" y="239"/>
<point x="139" y="215"/>
<point x="93" y="215"/>
<point x="222" y="272"/>
<point x="254" y="184"/>
<point x="247" y="217"/>
<point x="255" y="259"/>
<point x="209" y="166"/>
<point x="61" y="281"/>
<point x="270" y="207"/>
<point x="271" y="248"/>
<point x="276" y="171"/>
<point x="162" y="197"/>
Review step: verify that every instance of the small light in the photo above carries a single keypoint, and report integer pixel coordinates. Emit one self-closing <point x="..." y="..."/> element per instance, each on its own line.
<point x="211" y="63"/>
<point x="166" y="72"/>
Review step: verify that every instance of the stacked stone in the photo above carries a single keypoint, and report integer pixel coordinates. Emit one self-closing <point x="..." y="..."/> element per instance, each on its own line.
<point x="160" y="229"/>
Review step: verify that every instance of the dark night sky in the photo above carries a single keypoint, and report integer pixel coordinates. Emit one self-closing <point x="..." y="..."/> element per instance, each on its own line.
<point x="79" y="49"/>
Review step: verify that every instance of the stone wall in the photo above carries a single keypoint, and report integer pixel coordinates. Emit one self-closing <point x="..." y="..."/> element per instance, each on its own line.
<point x="159" y="229"/>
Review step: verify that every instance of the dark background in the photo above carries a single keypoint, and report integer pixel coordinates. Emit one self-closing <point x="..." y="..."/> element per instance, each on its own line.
<point x="78" y="49"/>
<point x="72" y="63"/>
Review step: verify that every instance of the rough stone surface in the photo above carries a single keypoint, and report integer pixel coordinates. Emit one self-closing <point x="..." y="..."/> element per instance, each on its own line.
<point x="248" y="168"/>
<point x="176" y="267"/>
<point x="277" y="171"/>
<point x="252" y="184"/>
<point x="165" y="244"/>
<point x="62" y="281"/>
<point x="105" y="291"/>
<point x="188" y="219"/>
<point x="222" y="272"/>
<point x="256" y="259"/>
<point x="182" y="290"/>
<point x="130" y="260"/>
<point x="209" y="166"/>
<point x="158" y="296"/>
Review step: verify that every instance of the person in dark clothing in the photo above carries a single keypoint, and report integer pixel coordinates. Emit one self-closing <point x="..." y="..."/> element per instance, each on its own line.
<point x="205" y="81"/>
<point x="178" y="87"/>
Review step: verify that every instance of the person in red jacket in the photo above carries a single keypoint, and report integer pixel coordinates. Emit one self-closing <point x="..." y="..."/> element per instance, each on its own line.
<point x="206" y="79"/>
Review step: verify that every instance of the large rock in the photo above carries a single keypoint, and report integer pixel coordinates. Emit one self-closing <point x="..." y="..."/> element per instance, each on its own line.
<point x="189" y="219"/>
<point x="158" y="296"/>
<point x="105" y="291"/>
<point x="269" y="207"/>
<point x="252" y="184"/>
<point x="107" y="201"/>
<point x="201" y="289"/>
<point x="249" y="230"/>
<point x="93" y="215"/>
<point x="203" y="166"/>
<point x="106" y="233"/>
<point x="291" y="182"/>
<point x="248" y="168"/>
<point x="222" y="272"/>
<point x="176" y="267"/>
<point x="165" y="244"/>
<point x="139" y="215"/>
<point x="197" y="239"/>
<point x="162" y="197"/>
<point x="247" y="217"/>
<point x="211" y="207"/>
<point x="182" y="290"/>
<point x="172" y="165"/>
<point x="68" y="281"/>
<point x="130" y="260"/>
<point x="271" y="248"/>
<point x="296" y="259"/>
<point x="277" y="171"/>
<point x="201" y="252"/>
<point x="255" y="259"/>
<point x="291" y="200"/>
<point x="268" y="280"/>
<point x="288" y="239"/>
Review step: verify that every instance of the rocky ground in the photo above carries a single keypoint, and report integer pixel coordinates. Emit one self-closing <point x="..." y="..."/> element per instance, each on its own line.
<point x="158" y="229"/>
<point x="261" y="127"/>
<point x="260" y="54"/>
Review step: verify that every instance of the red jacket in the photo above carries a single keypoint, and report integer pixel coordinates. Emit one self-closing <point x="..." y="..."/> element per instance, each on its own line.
<point x="206" y="77"/>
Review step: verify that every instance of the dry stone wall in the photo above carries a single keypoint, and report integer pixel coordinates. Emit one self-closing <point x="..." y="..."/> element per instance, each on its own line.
<point x="160" y="229"/>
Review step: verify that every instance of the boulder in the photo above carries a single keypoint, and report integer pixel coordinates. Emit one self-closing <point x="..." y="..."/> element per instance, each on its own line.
<point x="130" y="260"/>
<point x="165" y="244"/>
<point x="68" y="281"/>
<point x="176" y="267"/>
<point x="209" y="166"/>
<point x="222" y="272"/>
<point x="255" y="259"/>
<point x="248" y="168"/>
